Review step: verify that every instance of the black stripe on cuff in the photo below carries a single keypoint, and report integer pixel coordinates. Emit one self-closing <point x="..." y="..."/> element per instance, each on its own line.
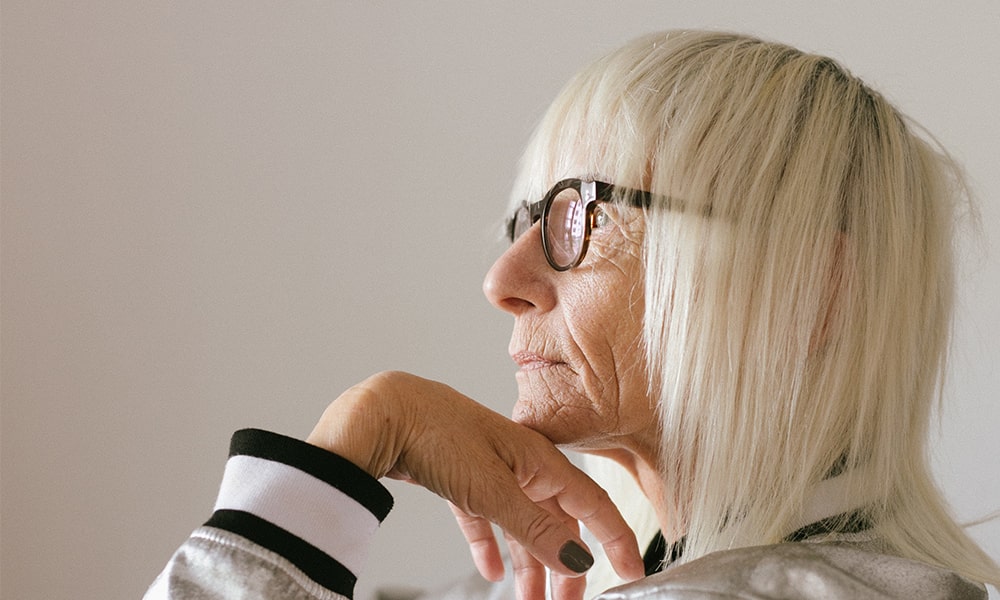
<point x="327" y="466"/>
<point x="316" y="564"/>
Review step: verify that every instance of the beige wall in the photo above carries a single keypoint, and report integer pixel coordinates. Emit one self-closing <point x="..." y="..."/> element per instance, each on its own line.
<point x="221" y="214"/>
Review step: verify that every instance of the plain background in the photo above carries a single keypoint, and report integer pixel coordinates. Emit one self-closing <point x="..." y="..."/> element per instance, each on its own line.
<point x="222" y="214"/>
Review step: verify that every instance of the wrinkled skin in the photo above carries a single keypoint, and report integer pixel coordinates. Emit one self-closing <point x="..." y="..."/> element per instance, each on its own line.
<point x="490" y="469"/>
<point x="581" y="384"/>
<point x="577" y="338"/>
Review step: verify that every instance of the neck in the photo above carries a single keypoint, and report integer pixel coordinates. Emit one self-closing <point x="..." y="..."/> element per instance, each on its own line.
<point x="646" y="474"/>
<point x="829" y="498"/>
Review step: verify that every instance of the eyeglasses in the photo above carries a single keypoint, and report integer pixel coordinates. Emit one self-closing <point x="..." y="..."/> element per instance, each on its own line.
<point x="568" y="213"/>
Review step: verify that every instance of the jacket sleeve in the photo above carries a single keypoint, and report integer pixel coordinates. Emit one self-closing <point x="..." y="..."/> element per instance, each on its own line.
<point x="292" y="521"/>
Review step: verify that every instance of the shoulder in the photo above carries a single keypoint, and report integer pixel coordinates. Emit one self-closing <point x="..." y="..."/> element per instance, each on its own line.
<point x="800" y="571"/>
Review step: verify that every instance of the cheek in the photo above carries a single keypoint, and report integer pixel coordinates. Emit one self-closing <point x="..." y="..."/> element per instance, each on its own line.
<point x="609" y="339"/>
<point x="612" y="353"/>
<point x="597" y="325"/>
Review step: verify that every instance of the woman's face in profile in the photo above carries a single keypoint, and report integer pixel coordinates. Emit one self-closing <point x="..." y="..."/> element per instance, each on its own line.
<point x="577" y="336"/>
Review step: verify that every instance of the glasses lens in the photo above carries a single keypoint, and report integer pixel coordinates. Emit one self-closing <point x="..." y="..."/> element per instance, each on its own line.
<point x="564" y="227"/>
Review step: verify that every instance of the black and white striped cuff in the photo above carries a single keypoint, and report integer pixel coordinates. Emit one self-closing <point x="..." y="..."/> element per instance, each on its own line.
<point x="315" y="509"/>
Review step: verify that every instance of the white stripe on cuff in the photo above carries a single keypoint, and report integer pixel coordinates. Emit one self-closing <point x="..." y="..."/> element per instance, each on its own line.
<point x="301" y="504"/>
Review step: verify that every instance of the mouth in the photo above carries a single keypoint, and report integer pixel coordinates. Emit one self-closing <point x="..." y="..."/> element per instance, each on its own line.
<point x="529" y="361"/>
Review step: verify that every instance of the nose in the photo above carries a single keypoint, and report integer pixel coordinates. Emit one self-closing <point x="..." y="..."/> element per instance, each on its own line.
<point x="521" y="279"/>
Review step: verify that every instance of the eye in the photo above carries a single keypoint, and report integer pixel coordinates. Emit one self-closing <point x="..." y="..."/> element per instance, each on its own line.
<point x="600" y="218"/>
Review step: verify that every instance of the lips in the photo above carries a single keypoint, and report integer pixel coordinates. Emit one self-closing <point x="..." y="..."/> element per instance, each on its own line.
<point x="529" y="361"/>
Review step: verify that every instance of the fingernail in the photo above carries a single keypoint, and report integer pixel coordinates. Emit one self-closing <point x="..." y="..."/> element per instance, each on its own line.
<point x="575" y="557"/>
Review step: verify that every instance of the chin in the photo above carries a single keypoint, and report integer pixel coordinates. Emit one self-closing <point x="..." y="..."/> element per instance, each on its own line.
<point x="552" y="423"/>
<point x="542" y="421"/>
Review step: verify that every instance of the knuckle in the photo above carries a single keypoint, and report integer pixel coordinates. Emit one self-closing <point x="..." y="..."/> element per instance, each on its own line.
<point x="540" y="526"/>
<point x="593" y="514"/>
<point x="521" y="568"/>
<point x="387" y="377"/>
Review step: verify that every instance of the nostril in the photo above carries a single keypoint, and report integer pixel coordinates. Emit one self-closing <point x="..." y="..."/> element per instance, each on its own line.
<point x="516" y="305"/>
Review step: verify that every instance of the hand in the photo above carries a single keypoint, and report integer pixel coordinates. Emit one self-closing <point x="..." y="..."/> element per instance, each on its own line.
<point x="529" y="572"/>
<point x="491" y="469"/>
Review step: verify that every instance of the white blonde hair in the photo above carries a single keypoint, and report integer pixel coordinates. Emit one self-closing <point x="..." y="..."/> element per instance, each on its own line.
<point x="798" y="284"/>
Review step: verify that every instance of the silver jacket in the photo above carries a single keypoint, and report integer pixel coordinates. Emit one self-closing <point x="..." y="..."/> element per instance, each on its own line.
<point x="825" y="570"/>
<point x="818" y="571"/>
<point x="294" y="522"/>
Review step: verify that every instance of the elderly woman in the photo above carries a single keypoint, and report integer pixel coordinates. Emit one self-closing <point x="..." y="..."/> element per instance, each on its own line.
<point x="730" y="274"/>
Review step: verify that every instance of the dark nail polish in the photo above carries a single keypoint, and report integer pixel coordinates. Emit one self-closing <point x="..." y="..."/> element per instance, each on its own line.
<point x="575" y="557"/>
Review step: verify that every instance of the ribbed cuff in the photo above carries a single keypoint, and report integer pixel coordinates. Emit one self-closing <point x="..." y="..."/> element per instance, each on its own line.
<point x="317" y="510"/>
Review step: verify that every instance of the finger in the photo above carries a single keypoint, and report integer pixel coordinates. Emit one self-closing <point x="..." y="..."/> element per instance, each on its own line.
<point x="562" y="587"/>
<point x="542" y="534"/>
<point x="567" y="588"/>
<point x="529" y="572"/>
<point x="482" y="544"/>
<point x="584" y="500"/>
<point x="617" y="539"/>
